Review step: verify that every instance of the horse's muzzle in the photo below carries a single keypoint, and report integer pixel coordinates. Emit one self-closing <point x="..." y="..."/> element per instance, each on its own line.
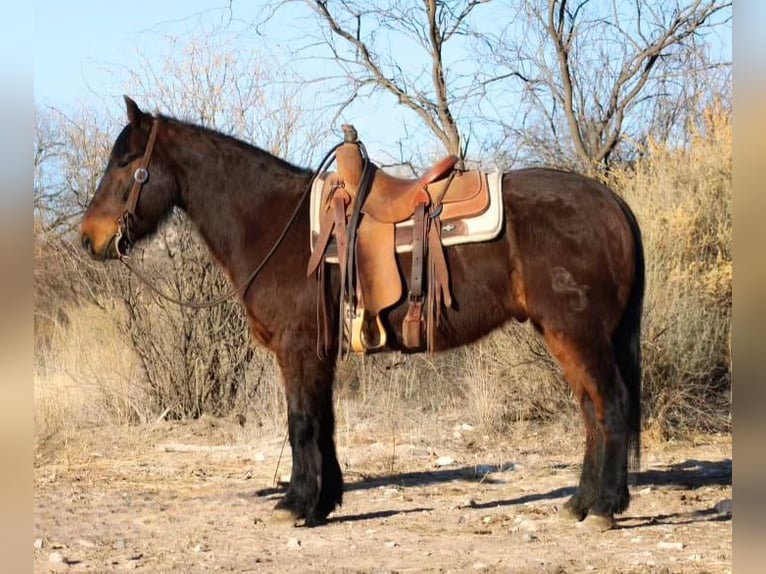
<point x="104" y="238"/>
<point x="116" y="246"/>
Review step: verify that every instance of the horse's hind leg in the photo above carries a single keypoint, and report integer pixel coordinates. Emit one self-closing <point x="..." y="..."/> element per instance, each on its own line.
<point x="577" y="506"/>
<point x="316" y="482"/>
<point x="591" y="370"/>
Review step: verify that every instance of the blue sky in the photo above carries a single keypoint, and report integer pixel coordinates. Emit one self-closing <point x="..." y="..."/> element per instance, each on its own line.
<point x="83" y="49"/>
<point x="80" y="45"/>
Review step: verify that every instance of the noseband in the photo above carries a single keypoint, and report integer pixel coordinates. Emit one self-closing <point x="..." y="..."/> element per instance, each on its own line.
<point x="140" y="177"/>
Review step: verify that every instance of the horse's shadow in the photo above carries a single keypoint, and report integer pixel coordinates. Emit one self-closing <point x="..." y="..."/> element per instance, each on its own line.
<point x="691" y="473"/>
<point x="687" y="475"/>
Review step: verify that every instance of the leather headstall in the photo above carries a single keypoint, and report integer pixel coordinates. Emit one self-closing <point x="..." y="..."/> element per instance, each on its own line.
<point x="140" y="177"/>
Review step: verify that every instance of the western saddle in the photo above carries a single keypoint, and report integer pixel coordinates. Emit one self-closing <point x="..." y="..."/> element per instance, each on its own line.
<point x="371" y="216"/>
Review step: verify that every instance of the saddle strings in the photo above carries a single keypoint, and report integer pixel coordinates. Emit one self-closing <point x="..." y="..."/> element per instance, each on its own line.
<point x="245" y="285"/>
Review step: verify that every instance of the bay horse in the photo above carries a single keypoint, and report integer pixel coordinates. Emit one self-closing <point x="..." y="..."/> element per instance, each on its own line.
<point x="569" y="259"/>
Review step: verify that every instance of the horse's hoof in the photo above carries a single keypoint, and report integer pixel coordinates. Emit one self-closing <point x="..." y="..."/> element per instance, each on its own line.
<point x="566" y="512"/>
<point x="283" y="516"/>
<point x="598" y="522"/>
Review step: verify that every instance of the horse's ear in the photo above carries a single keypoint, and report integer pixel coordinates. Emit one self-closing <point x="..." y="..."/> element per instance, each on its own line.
<point x="135" y="115"/>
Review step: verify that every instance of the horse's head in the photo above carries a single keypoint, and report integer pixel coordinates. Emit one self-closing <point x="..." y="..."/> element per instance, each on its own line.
<point x="135" y="193"/>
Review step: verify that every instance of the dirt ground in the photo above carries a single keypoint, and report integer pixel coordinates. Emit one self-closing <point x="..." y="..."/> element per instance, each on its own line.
<point x="197" y="497"/>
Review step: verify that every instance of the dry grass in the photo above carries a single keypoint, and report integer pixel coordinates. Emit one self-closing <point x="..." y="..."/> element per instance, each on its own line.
<point x="682" y="199"/>
<point x="86" y="375"/>
<point x="510" y="378"/>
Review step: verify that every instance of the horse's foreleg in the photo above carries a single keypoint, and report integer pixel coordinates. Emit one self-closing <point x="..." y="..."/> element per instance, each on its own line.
<point x="316" y="482"/>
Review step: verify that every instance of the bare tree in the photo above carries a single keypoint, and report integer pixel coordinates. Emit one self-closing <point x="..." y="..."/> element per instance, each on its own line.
<point x="215" y="83"/>
<point x="366" y="40"/>
<point x="69" y="154"/>
<point x="575" y="84"/>
<point x="598" y="78"/>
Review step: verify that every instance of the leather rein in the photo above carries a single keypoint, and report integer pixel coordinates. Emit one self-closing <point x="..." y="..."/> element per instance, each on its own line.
<point x="141" y="176"/>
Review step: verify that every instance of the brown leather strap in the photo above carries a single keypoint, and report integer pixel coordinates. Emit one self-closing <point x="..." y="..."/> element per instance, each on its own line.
<point x="439" y="273"/>
<point x="325" y="231"/>
<point x="413" y="319"/>
<point x="324" y="337"/>
<point x="332" y="216"/>
<point x="418" y="247"/>
<point x="141" y="175"/>
<point x="438" y="282"/>
<point x="338" y="207"/>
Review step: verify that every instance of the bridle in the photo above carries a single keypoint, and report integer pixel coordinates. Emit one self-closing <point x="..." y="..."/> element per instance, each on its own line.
<point x="141" y="176"/>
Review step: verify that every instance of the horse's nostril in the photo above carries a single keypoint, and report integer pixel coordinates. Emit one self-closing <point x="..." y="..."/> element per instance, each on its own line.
<point x="86" y="244"/>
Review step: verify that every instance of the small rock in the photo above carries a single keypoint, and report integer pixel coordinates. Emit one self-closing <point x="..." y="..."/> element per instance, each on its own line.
<point x="466" y="427"/>
<point x="445" y="461"/>
<point x="390" y="491"/>
<point x="39" y="543"/>
<point x="480" y="566"/>
<point x="670" y="545"/>
<point x="528" y="537"/>
<point x="487" y="519"/>
<point x="86" y="543"/>
<point x="645" y="491"/>
<point x="526" y="525"/>
<point x="260" y="457"/>
<point x="293" y="543"/>
<point x="201" y="547"/>
<point x="724" y="507"/>
<point x="57" y="558"/>
<point x="391" y="544"/>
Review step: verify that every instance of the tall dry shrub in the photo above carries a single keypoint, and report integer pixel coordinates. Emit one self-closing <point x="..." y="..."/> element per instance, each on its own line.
<point x="682" y="198"/>
<point x="509" y="377"/>
<point x="87" y="374"/>
<point x="194" y="360"/>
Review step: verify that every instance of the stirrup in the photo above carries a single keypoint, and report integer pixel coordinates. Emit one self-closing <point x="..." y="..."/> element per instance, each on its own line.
<point x="359" y="328"/>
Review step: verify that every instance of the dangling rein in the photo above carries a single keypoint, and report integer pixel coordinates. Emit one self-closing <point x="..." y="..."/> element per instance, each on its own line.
<point x="141" y="175"/>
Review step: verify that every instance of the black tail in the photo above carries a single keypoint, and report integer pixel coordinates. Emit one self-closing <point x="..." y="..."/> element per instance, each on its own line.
<point x="627" y="342"/>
